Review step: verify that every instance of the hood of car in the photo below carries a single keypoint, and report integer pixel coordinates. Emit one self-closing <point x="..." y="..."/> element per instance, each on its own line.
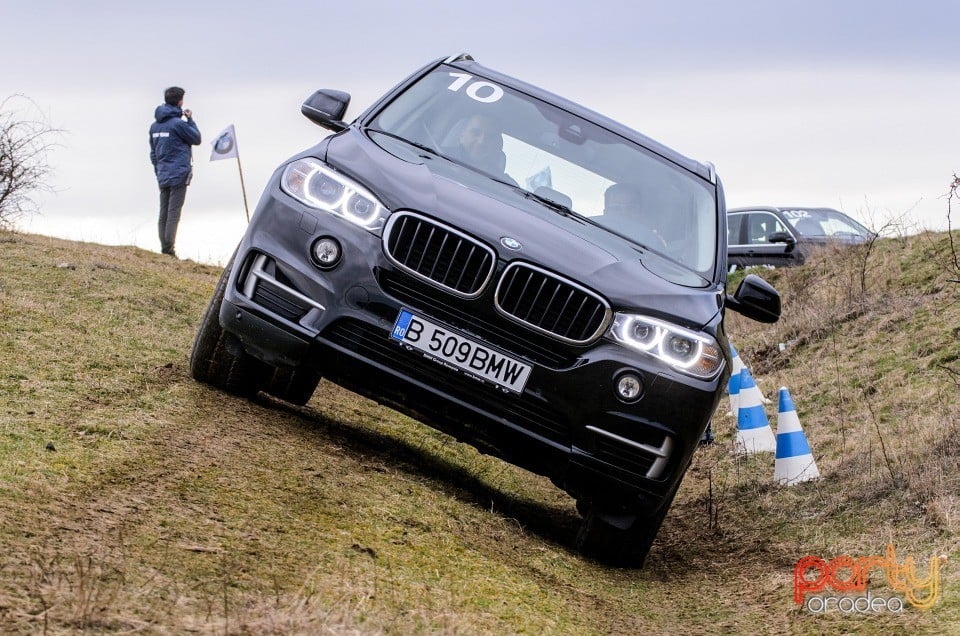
<point x="521" y="228"/>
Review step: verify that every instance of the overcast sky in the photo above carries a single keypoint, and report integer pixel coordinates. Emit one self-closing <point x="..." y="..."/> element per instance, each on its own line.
<point x="845" y="104"/>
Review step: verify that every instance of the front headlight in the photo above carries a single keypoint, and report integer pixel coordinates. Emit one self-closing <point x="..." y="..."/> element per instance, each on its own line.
<point x="688" y="351"/>
<point x="316" y="185"/>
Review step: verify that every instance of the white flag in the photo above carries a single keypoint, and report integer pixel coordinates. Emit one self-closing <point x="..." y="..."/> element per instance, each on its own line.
<point x="225" y="145"/>
<point x="542" y="178"/>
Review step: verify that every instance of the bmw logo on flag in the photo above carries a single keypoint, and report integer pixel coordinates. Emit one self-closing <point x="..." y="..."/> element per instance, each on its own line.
<point x="224" y="144"/>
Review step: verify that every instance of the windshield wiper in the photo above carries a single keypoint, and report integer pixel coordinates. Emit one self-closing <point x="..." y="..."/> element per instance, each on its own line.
<point x="438" y="153"/>
<point x="550" y="203"/>
<point x="415" y="144"/>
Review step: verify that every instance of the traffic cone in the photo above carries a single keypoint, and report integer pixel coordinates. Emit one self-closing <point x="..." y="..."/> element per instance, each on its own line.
<point x="754" y="434"/>
<point x="794" y="462"/>
<point x="733" y="384"/>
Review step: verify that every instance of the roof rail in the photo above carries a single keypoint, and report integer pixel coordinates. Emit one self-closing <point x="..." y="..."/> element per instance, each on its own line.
<point x="459" y="57"/>
<point x="713" y="171"/>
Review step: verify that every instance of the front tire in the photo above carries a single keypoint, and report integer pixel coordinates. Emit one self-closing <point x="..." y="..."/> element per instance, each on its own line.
<point x="621" y="538"/>
<point x="212" y="362"/>
<point x="292" y="385"/>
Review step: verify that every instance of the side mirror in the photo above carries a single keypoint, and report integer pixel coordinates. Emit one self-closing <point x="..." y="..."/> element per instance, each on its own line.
<point x="756" y="299"/>
<point x="781" y="237"/>
<point x="326" y="107"/>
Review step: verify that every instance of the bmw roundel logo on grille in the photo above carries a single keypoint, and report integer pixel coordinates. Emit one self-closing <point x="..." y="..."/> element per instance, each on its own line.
<point x="510" y="243"/>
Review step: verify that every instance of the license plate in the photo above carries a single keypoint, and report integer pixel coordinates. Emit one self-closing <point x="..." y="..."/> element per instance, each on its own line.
<point x="464" y="354"/>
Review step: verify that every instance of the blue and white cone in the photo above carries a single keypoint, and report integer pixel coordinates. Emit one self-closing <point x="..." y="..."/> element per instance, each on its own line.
<point x="794" y="462"/>
<point x="754" y="434"/>
<point x="733" y="384"/>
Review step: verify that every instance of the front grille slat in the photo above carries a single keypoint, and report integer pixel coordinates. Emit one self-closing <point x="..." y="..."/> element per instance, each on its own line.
<point x="480" y="269"/>
<point x="437" y="261"/>
<point x="573" y="321"/>
<point x="536" y="299"/>
<point x="553" y="297"/>
<point x="409" y="242"/>
<point x="593" y="318"/>
<point x="450" y="263"/>
<point x="560" y="314"/>
<point x="465" y="268"/>
<point x="581" y="319"/>
<point x="424" y="248"/>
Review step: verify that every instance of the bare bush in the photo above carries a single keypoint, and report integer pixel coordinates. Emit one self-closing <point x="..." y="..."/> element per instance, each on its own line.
<point x="953" y="260"/>
<point x="25" y="140"/>
<point x="953" y="193"/>
<point x="886" y="226"/>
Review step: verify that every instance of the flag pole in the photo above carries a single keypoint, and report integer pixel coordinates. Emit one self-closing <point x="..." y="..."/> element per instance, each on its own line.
<point x="229" y="149"/>
<point x="246" y="208"/>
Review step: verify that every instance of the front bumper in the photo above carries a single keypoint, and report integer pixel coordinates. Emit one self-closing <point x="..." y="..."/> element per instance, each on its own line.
<point x="566" y="424"/>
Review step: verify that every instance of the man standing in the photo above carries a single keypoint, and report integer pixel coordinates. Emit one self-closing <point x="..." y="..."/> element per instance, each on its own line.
<point x="171" y="136"/>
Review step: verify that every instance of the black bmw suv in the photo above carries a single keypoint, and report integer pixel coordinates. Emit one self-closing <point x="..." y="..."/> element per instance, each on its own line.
<point x="502" y="264"/>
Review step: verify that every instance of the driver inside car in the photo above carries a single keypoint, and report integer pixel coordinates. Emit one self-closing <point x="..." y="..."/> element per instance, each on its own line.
<point x="480" y="145"/>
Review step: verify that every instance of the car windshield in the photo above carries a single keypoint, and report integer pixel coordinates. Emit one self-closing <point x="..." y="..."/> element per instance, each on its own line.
<point x="825" y="223"/>
<point x="569" y="161"/>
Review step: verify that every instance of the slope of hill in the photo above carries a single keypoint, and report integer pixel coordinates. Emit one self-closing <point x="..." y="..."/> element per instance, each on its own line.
<point x="135" y="499"/>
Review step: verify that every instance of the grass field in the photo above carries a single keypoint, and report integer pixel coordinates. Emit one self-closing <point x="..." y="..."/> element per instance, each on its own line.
<point x="133" y="499"/>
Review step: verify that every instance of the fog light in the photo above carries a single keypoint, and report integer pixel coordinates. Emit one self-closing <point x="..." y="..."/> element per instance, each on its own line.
<point x="629" y="387"/>
<point x="326" y="252"/>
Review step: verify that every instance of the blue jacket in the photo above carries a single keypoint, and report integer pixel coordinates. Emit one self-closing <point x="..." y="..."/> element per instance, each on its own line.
<point x="170" y="141"/>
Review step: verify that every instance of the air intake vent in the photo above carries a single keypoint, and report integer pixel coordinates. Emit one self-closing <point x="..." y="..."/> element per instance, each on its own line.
<point x="552" y="305"/>
<point x="438" y="254"/>
<point x="265" y="285"/>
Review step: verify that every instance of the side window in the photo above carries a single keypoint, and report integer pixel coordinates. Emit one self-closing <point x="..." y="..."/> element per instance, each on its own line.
<point x="734" y="225"/>
<point x="760" y="225"/>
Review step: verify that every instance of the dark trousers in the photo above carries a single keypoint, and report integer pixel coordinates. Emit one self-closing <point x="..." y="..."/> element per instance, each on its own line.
<point x="171" y="202"/>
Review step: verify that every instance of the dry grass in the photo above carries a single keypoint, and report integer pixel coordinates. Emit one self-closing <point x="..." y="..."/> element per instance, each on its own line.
<point x="133" y="499"/>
